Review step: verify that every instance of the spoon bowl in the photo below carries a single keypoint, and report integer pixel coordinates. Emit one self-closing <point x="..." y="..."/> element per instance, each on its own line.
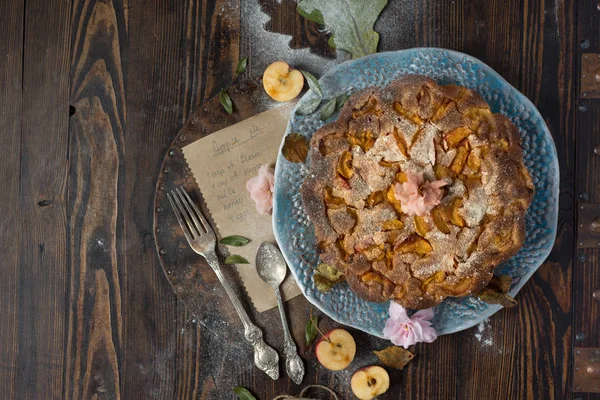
<point x="270" y="264"/>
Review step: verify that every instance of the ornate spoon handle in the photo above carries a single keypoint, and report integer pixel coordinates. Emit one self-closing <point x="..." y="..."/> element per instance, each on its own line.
<point x="265" y="357"/>
<point x="293" y="363"/>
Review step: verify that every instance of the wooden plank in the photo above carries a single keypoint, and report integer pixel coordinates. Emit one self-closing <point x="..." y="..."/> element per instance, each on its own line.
<point x="94" y="348"/>
<point x="42" y="273"/>
<point x="11" y="102"/>
<point x="183" y="43"/>
<point x="586" y="273"/>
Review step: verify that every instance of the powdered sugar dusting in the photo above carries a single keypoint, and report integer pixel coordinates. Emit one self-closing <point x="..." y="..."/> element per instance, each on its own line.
<point x="265" y="47"/>
<point x="483" y="334"/>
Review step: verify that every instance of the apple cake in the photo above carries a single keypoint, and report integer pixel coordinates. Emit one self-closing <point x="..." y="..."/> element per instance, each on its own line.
<point x="417" y="192"/>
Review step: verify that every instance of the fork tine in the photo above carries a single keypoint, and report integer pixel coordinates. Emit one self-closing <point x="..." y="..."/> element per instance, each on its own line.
<point x="192" y="227"/>
<point x="205" y="224"/>
<point x="188" y="203"/>
<point x="178" y="213"/>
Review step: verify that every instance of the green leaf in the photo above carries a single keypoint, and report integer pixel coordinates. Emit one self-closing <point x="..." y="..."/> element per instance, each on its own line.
<point x="310" y="331"/>
<point x="315" y="15"/>
<point x="295" y="148"/>
<point x="328" y="109"/>
<point x="226" y="101"/>
<point x="234" y="240"/>
<point x="351" y="22"/>
<point x="241" y="66"/>
<point x="341" y="100"/>
<point x="313" y="83"/>
<point x="243" y="393"/>
<point x="309" y="105"/>
<point x="235" y="259"/>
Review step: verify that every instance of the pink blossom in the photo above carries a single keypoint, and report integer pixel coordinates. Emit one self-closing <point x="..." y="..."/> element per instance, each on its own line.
<point x="261" y="189"/>
<point x="416" y="196"/>
<point x="405" y="331"/>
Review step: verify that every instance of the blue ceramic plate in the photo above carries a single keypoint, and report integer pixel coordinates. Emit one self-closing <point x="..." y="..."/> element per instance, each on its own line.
<point x="295" y="233"/>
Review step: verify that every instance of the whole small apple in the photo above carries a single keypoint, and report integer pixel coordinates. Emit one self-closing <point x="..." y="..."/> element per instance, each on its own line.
<point x="368" y="383"/>
<point x="281" y="82"/>
<point x="336" y="349"/>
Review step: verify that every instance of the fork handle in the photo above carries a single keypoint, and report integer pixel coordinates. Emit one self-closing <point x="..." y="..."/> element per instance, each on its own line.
<point x="265" y="357"/>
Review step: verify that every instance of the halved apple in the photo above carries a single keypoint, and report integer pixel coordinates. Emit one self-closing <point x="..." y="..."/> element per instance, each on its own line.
<point x="281" y="82"/>
<point x="370" y="382"/>
<point x="336" y="350"/>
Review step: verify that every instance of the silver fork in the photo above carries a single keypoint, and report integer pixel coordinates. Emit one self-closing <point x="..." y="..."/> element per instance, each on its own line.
<point x="202" y="240"/>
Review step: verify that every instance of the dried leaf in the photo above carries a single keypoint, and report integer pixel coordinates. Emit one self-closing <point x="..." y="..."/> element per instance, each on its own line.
<point x="500" y="283"/>
<point x="243" y="393"/>
<point x="330" y="273"/>
<point x="226" y="101"/>
<point x="328" y="109"/>
<point x="509" y="301"/>
<point x="235" y="259"/>
<point x="394" y="356"/>
<point x="351" y="22"/>
<point x="496" y="292"/>
<point x="295" y="148"/>
<point x="322" y="284"/>
<point x="310" y="331"/>
<point x="241" y="66"/>
<point x="234" y="240"/>
<point x="326" y="277"/>
<point x="491" y="296"/>
<point x="312" y="103"/>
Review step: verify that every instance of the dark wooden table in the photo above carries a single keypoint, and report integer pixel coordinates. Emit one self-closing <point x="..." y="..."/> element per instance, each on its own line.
<point x="93" y="92"/>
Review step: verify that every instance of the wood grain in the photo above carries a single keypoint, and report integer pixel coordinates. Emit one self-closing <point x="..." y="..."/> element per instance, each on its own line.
<point x="42" y="264"/>
<point x="11" y="106"/>
<point x="190" y="41"/>
<point x="95" y="337"/>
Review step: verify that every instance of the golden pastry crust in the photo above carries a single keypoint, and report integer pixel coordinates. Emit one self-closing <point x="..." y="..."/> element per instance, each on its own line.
<point x="416" y="126"/>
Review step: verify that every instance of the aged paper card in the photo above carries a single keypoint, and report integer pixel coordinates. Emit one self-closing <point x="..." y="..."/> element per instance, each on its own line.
<point x="222" y="163"/>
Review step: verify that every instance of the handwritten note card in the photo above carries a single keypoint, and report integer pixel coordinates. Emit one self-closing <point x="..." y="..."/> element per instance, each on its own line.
<point x="222" y="163"/>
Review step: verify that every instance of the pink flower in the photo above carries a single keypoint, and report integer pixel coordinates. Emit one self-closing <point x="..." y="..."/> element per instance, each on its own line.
<point x="405" y="331"/>
<point x="261" y="189"/>
<point x="416" y="196"/>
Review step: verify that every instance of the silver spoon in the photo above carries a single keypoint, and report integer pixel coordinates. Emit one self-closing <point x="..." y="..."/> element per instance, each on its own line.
<point x="271" y="267"/>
